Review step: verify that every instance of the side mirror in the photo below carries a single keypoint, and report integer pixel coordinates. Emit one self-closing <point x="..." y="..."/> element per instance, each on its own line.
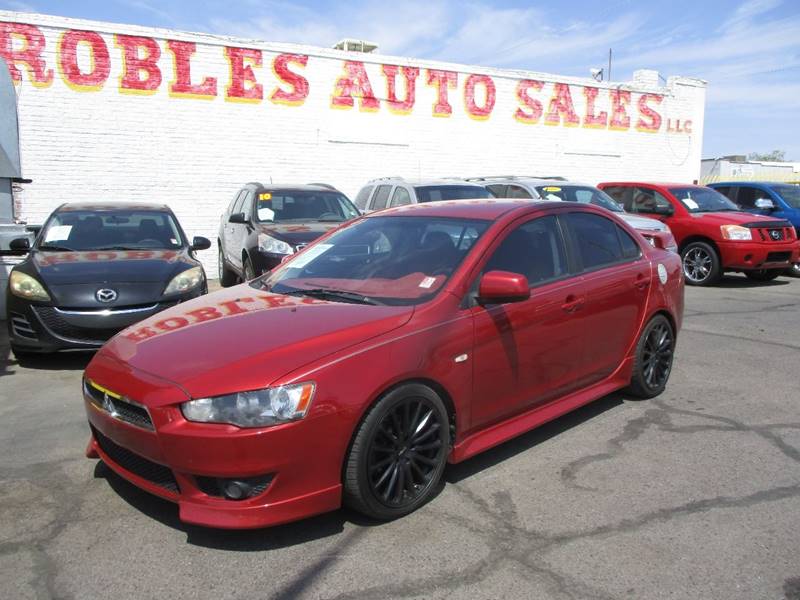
<point x="200" y="243"/>
<point x="19" y="246"/>
<point x="666" y="211"/>
<point x="498" y="287"/>
<point x="765" y="204"/>
<point x="237" y="218"/>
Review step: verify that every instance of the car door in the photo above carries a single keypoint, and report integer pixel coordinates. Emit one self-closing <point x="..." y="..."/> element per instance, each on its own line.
<point x="240" y="231"/>
<point x="616" y="278"/>
<point x="747" y="195"/>
<point x="229" y="232"/>
<point x="525" y="352"/>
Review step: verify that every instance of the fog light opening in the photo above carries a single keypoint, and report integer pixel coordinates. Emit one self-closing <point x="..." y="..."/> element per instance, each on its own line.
<point x="236" y="490"/>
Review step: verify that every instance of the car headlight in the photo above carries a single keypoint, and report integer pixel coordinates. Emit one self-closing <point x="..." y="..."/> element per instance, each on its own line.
<point x="267" y="243"/>
<point x="258" y="408"/>
<point x="736" y="232"/>
<point x="185" y="281"/>
<point x="25" y="286"/>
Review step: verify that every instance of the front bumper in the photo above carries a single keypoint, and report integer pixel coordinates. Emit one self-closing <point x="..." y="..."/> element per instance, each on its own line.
<point x="747" y="256"/>
<point x="176" y="459"/>
<point x="40" y="327"/>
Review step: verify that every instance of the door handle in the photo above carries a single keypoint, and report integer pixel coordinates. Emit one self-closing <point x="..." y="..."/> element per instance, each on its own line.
<point x="572" y="303"/>
<point x="642" y="282"/>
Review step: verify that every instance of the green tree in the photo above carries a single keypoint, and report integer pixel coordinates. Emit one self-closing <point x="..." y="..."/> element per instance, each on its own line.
<point x="774" y="156"/>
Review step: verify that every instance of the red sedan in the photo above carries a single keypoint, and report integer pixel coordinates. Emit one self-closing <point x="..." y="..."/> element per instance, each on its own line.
<point x="358" y="368"/>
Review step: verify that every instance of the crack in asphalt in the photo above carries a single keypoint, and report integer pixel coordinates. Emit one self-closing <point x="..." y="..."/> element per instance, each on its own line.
<point x="742" y="338"/>
<point x="775" y="308"/>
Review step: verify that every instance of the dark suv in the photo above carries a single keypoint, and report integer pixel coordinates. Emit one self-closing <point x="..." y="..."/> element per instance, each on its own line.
<point x="263" y="224"/>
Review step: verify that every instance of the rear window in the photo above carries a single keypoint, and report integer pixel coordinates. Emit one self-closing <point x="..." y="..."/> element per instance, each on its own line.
<point x="434" y="193"/>
<point x="578" y="193"/>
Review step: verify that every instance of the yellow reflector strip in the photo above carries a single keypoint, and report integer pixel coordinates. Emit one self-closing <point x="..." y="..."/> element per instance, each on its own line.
<point x="104" y="390"/>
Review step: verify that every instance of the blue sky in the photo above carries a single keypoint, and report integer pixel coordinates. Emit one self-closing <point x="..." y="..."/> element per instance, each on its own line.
<point x="748" y="50"/>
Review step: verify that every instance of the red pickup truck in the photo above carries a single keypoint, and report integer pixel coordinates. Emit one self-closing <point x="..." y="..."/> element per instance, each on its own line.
<point x="713" y="235"/>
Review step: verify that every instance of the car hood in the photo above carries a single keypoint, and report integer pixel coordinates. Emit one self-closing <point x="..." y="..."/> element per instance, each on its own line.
<point x="242" y="338"/>
<point x="646" y="223"/>
<point x="298" y="232"/>
<point x="139" y="266"/>
<point x="732" y="218"/>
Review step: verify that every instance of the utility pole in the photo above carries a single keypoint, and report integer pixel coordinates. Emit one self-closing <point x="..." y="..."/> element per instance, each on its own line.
<point x="609" y="64"/>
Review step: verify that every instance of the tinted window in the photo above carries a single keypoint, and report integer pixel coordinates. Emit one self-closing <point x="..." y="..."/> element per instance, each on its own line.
<point x="535" y="249"/>
<point x="726" y="191"/>
<point x="247" y="204"/>
<point x="303" y="205"/>
<point x="747" y="196"/>
<point x="434" y="193"/>
<point x="630" y="249"/>
<point x="117" y="230"/>
<point x="618" y="193"/>
<point x="596" y="239"/>
<point x="363" y="196"/>
<point x="789" y="193"/>
<point x="702" y="199"/>
<point x="381" y="197"/>
<point x="400" y="196"/>
<point x="497" y="190"/>
<point x="645" y="200"/>
<point x="582" y="194"/>
<point x="232" y="205"/>
<point x="516" y="191"/>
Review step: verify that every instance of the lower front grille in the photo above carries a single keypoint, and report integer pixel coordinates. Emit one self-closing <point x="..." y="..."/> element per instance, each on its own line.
<point x="119" y="408"/>
<point x="138" y="465"/>
<point x="778" y="256"/>
<point x="21" y="326"/>
<point x="60" y="327"/>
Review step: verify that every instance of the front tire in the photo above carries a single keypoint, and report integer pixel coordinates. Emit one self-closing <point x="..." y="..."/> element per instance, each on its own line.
<point x="653" y="360"/>
<point x="763" y="274"/>
<point x="398" y="454"/>
<point x="793" y="271"/>
<point x="249" y="271"/>
<point x="226" y="277"/>
<point x="701" y="265"/>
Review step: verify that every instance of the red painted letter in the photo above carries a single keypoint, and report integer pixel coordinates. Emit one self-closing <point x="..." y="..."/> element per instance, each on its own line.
<point x="354" y="82"/>
<point x="443" y="80"/>
<point x="183" y="86"/>
<point x="204" y="314"/>
<point x="619" y="115"/>
<point x="561" y="104"/>
<point x="593" y="120"/>
<point x="299" y="84"/>
<point x="473" y="110"/>
<point x="96" y="78"/>
<point x="410" y="74"/>
<point x="134" y="66"/>
<point x="654" y="123"/>
<point x="243" y="86"/>
<point x="30" y="54"/>
<point x="532" y="104"/>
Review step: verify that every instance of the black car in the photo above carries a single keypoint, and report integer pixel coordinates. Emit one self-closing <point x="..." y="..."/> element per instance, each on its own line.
<point x="264" y="224"/>
<point x="96" y="268"/>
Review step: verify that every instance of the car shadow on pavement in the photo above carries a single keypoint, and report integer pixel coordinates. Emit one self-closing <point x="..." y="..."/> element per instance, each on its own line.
<point x="62" y="361"/>
<point x="741" y="281"/>
<point x="526" y="441"/>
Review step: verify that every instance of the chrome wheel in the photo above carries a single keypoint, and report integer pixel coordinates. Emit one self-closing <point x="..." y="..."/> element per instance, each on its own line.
<point x="406" y="453"/>
<point x="697" y="264"/>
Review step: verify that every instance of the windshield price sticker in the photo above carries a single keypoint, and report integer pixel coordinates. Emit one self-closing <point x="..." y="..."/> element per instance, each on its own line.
<point x="427" y="282"/>
<point x="306" y="257"/>
<point x="266" y="214"/>
<point x="691" y="204"/>
<point x="58" y="232"/>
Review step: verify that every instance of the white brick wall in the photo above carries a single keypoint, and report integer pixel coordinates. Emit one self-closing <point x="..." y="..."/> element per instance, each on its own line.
<point x="194" y="153"/>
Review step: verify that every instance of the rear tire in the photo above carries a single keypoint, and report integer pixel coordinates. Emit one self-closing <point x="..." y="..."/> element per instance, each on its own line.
<point x="764" y="274"/>
<point x="226" y="277"/>
<point x="398" y="454"/>
<point x="701" y="264"/>
<point x="653" y="359"/>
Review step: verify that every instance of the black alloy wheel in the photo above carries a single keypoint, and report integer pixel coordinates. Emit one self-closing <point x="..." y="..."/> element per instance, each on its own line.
<point x="653" y="363"/>
<point x="764" y="274"/>
<point x="226" y="277"/>
<point x="793" y="271"/>
<point x="700" y="264"/>
<point x="399" y="453"/>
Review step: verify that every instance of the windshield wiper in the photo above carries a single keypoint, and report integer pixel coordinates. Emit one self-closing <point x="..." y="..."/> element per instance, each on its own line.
<point x="330" y="220"/>
<point x="331" y="294"/>
<point x="55" y="248"/>
<point x="121" y="247"/>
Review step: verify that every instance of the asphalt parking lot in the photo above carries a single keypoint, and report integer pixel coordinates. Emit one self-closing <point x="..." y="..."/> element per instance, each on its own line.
<point x="695" y="494"/>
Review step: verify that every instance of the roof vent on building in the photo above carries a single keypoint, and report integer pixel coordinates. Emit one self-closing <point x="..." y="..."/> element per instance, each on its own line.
<point x="353" y="45"/>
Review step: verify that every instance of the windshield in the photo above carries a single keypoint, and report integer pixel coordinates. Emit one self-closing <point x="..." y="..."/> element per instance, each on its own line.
<point x="789" y="193"/>
<point x="582" y="194"/>
<point x="434" y="193"/>
<point x="288" y="206"/>
<point x="110" y="230"/>
<point x="702" y="199"/>
<point x="381" y="260"/>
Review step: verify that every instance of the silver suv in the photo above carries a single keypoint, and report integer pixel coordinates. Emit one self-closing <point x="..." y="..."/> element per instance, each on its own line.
<point x="385" y="192"/>
<point x="557" y="188"/>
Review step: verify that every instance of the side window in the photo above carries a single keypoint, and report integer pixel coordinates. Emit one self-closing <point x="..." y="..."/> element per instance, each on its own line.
<point x="247" y="203"/>
<point x="535" y="249"/>
<point x="646" y="201"/>
<point x="618" y="193"/>
<point x="747" y="196"/>
<point x="596" y="239"/>
<point x="400" y="196"/>
<point x="381" y="197"/>
<point x="363" y="196"/>
<point x="727" y="190"/>
<point x="515" y="191"/>
<point x="236" y="207"/>
<point x="497" y="190"/>
<point x="630" y="249"/>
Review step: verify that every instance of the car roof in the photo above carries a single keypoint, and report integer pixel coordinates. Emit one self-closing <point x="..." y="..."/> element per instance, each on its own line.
<point x="532" y="181"/>
<point x="293" y="187"/>
<point x="423" y="181"/>
<point x="100" y="206"/>
<point x="663" y="184"/>
<point x="753" y="183"/>
<point x="483" y="209"/>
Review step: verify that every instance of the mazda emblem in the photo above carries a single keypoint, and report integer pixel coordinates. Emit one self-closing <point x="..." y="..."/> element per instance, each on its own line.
<point x="105" y="295"/>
